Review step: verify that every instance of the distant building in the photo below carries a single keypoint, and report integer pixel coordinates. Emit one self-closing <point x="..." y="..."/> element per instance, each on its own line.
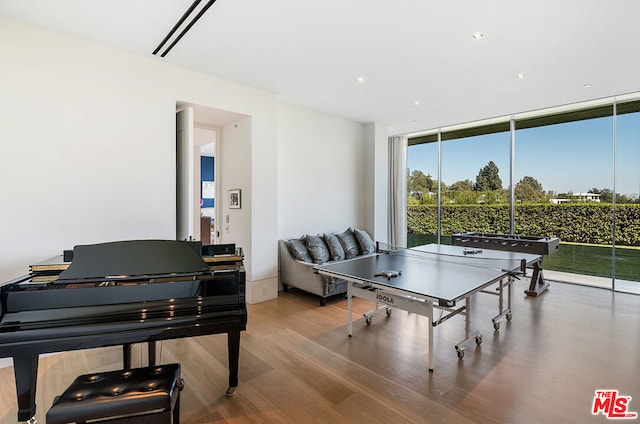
<point x="578" y="197"/>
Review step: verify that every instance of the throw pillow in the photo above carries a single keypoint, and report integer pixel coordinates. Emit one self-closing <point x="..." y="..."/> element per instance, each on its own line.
<point x="318" y="249"/>
<point x="298" y="249"/>
<point x="335" y="248"/>
<point x="349" y="243"/>
<point x="367" y="246"/>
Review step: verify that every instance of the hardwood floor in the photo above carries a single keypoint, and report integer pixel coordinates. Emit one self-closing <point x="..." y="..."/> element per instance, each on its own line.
<point x="297" y="364"/>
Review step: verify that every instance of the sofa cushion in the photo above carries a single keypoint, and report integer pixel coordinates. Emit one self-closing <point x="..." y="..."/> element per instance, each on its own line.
<point x="298" y="249"/>
<point x="318" y="249"/>
<point x="335" y="248"/>
<point x="367" y="246"/>
<point x="349" y="243"/>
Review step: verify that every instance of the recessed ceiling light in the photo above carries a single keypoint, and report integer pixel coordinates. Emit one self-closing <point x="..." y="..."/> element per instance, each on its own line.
<point x="477" y="35"/>
<point x="520" y="75"/>
<point x="586" y="86"/>
<point x="417" y="102"/>
<point x="360" y="80"/>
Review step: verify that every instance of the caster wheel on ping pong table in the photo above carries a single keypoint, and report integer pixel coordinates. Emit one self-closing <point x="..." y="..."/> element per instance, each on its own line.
<point x="509" y="316"/>
<point x="368" y="320"/>
<point x="460" y="354"/>
<point x="388" y="311"/>
<point x="496" y="325"/>
<point x="478" y="340"/>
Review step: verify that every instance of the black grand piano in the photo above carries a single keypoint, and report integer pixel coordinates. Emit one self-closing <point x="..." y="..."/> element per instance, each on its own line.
<point x="120" y="293"/>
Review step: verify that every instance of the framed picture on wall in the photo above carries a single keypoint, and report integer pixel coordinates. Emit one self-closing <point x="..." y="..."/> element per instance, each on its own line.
<point x="234" y="199"/>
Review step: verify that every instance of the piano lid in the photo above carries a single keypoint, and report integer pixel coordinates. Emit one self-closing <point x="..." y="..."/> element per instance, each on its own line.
<point x="130" y="258"/>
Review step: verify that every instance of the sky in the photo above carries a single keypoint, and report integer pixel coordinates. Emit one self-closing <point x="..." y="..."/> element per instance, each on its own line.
<point x="571" y="157"/>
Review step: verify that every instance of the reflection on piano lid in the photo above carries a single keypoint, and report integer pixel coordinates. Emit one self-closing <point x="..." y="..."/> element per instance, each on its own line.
<point x="49" y="269"/>
<point x="134" y="259"/>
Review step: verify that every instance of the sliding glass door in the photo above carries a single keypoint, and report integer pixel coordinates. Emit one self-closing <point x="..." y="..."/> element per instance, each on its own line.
<point x="422" y="193"/>
<point x="626" y="266"/>
<point x="475" y="189"/>
<point x="561" y="173"/>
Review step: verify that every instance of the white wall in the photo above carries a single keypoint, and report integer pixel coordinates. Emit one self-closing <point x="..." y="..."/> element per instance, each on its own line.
<point x="321" y="173"/>
<point x="88" y="145"/>
<point x="235" y="172"/>
<point x="87" y="155"/>
<point x="376" y="206"/>
<point x="250" y="167"/>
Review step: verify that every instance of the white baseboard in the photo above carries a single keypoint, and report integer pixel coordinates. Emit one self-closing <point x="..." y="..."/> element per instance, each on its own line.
<point x="262" y="290"/>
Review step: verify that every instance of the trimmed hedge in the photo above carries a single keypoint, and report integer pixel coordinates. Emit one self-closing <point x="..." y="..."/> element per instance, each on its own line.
<point x="579" y="223"/>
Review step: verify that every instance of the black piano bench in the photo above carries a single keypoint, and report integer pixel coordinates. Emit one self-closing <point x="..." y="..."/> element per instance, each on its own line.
<point x="149" y="395"/>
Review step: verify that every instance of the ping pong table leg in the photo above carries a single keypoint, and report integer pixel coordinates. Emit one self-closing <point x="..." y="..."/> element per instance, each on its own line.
<point x="510" y="313"/>
<point x="431" y="330"/>
<point x="502" y="311"/>
<point x="467" y="318"/>
<point x="469" y="335"/>
<point x="501" y="296"/>
<point x="350" y="309"/>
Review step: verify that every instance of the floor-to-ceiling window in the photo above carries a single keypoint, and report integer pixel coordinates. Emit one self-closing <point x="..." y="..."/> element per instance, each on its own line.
<point x="576" y="176"/>
<point x="475" y="189"/>
<point x="626" y="265"/>
<point x="422" y="192"/>
<point x="561" y="171"/>
<point x="473" y="178"/>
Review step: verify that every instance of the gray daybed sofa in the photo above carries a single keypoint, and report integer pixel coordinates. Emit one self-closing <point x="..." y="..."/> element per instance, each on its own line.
<point x="297" y="257"/>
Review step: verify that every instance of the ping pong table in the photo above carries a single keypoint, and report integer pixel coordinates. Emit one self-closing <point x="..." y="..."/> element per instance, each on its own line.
<point x="428" y="277"/>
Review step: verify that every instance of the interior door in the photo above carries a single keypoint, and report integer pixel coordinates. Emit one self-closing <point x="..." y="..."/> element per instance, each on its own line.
<point x="185" y="203"/>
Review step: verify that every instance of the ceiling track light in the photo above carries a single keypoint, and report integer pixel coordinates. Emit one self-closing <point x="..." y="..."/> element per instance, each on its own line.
<point x="477" y="35"/>
<point x="179" y="24"/>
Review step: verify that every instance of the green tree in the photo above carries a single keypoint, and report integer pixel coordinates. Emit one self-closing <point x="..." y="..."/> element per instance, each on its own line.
<point x="606" y="196"/>
<point x="488" y="178"/>
<point x="495" y="197"/>
<point x="529" y="189"/>
<point x="460" y="197"/>
<point x="465" y="185"/>
<point x="419" y="185"/>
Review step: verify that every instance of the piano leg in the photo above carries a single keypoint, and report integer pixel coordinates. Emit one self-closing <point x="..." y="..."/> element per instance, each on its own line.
<point x="25" y="368"/>
<point x="126" y="356"/>
<point x="233" y="344"/>
<point x="152" y="353"/>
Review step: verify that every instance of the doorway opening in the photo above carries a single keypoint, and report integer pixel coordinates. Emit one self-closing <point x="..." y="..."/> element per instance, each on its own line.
<point x="198" y="170"/>
<point x="207" y="184"/>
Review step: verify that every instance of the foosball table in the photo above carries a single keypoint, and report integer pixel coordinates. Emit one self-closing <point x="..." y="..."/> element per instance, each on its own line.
<point x="514" y="243"/>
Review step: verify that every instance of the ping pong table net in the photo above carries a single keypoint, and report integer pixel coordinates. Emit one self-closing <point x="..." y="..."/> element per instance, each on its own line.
<point x="466" y="256"/>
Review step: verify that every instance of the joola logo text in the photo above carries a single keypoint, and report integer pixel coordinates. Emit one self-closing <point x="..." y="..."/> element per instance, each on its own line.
<point x="612" y="405"/>
<point x="384" y="298"/>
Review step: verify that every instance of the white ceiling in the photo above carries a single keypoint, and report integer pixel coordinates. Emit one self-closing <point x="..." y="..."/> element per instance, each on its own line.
<point x="311" y="52"/>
